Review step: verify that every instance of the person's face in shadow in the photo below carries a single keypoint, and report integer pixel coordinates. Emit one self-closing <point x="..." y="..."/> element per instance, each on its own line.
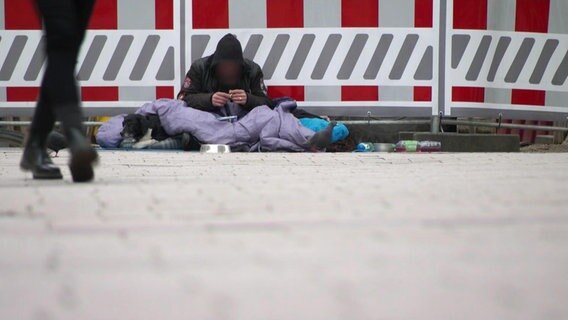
<point x="228" y="74"/>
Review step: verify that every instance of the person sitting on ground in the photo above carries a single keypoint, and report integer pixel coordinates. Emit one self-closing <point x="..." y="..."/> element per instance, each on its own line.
<point x="225" y="86"/>
<point x="225" y="79"/>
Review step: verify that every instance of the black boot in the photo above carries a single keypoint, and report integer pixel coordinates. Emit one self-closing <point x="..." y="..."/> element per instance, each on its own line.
<point x="36" y="160"/>
<point x="83" y="156"/>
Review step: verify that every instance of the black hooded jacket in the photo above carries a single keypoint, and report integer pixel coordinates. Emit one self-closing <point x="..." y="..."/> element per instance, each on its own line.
<point x="200" y="83"/>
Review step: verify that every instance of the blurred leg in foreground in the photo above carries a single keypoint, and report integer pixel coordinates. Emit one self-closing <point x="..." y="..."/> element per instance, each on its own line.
<point x="65" y="22"/>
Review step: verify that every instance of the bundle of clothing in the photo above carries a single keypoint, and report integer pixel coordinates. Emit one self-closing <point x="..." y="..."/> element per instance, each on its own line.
<point x="171" y="124"/>
<point x="142" y="131"/>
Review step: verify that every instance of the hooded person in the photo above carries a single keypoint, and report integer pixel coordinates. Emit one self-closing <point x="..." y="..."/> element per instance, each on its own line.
<point x="226" y="76"/>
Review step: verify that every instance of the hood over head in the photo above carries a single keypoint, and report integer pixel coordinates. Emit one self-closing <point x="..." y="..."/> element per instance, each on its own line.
<point x="228" y="49"/>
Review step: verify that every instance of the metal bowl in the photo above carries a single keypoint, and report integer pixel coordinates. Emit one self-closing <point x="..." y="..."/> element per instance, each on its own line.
<point x="383" y="147"/>
<point x="215" y="148"/>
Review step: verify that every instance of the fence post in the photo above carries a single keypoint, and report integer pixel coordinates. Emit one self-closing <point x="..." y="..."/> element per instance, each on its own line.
<point x="441" y="25"/>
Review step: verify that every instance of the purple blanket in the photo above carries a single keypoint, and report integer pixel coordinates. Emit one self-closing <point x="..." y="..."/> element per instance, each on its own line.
<point x="262" y="129"/>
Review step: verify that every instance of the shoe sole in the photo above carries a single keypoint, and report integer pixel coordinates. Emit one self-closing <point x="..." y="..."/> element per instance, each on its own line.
<point x="41" y="176"/>
<point x="81" y="165"/>
<point x="47" y="176"/>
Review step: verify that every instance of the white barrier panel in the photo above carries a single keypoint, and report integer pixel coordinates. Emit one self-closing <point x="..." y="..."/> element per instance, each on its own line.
<point x="118" y="58"/>
<point x="516" y="65"/>
<point x="338" y="56"/>
<point x="330" y="57"/>
<point x="505" y="57"/>
<point x="324" y="57"/>
<point x="131" y="54"/>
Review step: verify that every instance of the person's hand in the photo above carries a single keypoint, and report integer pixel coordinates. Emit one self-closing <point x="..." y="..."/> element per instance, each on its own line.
<point x="219" y="99"/>
<point x="239" y="96"/>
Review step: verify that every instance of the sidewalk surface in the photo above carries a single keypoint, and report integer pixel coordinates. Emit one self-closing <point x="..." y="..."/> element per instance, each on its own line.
<point x="288" y="236"/>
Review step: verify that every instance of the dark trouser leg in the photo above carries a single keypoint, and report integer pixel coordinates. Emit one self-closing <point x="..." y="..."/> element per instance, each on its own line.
<point x="61" y="90"/>
<point x="65" y="22"/>
<point x="43" y="121"/>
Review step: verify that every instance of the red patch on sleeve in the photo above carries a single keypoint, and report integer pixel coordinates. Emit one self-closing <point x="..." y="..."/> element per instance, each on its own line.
<point x="186" y="82"/>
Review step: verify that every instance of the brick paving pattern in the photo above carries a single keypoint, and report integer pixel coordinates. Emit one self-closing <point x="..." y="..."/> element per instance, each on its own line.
<point x="288" y="236"/>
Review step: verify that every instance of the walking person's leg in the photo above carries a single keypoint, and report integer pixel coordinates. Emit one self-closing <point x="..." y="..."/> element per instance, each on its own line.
<point x="35" y="157"/>
<point x="84" y="10"/>
<point x="65" y="22"/>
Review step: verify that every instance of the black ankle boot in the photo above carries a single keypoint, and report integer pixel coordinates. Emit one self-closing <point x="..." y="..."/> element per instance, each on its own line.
<point x="83" y="156"/>
<point x="36" y="160"/>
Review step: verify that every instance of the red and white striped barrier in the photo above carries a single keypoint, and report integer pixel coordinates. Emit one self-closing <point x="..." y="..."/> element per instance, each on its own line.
<point x="343" y="57"/>
<point x="131" y="54"/>
<point x="509" y="57"/>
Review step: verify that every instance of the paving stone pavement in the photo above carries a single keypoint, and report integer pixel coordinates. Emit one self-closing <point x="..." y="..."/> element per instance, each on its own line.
<point x="168" y="235"/>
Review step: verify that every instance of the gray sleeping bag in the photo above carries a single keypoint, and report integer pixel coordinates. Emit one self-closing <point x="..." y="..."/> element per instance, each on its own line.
<point x="262" y="129"/>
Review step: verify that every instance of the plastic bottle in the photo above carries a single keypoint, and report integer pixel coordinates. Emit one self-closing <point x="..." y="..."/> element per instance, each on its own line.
<point x="430" y="146"/>
<point x="418" y="146"/>
<point x="365" y="147"/>
<point x="407" y="146"/>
